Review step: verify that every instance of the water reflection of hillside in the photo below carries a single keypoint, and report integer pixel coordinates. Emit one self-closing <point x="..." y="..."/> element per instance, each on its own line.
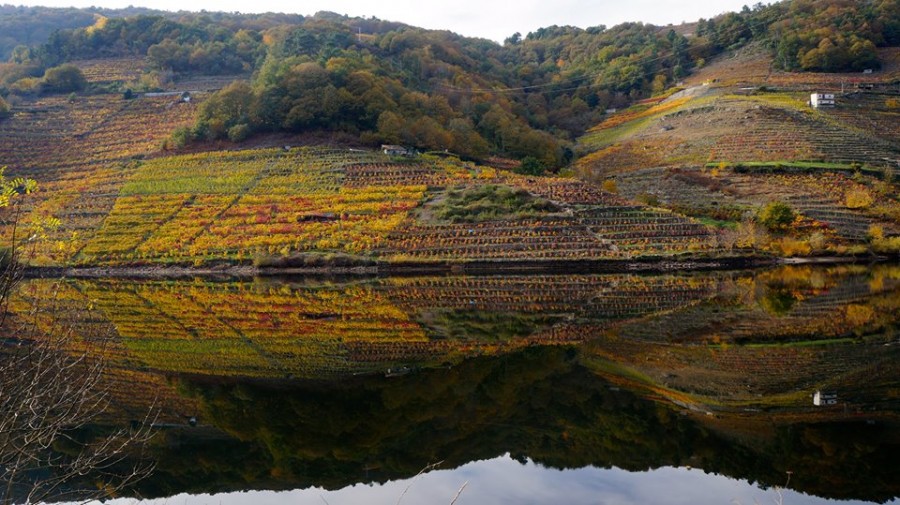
<point x="713" y="370"/>
<point x="314" y="330"/>
<point x="540" y="403"/>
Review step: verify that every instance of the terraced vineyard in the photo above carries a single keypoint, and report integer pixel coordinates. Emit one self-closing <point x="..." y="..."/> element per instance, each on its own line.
<point x="240" y="205"/>
<point x="109" y="70"/>
<point x="738" y="113"/>
<point x="728" y="193"/>
<point x="718" y="127"/>
<point x="122" y="200"/>
<point x="81" y="153"/>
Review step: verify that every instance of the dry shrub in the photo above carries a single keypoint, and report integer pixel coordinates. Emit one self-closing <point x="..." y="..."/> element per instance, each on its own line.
<point x="788" y="246"/>
<point x="817" y="241"/>
<point x="858" y="198"/>
<point x="610" y="186"/>
<point x="889" y="245"/>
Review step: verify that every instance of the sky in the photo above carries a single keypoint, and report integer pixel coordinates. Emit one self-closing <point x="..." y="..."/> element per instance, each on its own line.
<point x="494" y="19"/>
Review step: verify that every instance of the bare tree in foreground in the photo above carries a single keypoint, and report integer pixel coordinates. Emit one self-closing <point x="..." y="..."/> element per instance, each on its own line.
<point x="50" y="397"/>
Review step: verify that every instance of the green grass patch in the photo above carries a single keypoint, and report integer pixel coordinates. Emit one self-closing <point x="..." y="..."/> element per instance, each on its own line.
<point x="798" y="343"/>
<point x="721" y="216"/>
<point x="718" y="223"/>
<point x="489" y="202"/>
<point x="643" y="117"/>
<point x="796" y="101"/>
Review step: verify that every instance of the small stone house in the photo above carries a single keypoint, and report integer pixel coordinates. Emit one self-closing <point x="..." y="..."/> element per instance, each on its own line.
<point x="395" y="150"/>
<point x="820" y="100"/>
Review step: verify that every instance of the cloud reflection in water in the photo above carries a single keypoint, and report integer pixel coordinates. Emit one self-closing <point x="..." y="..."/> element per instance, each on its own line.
<point x="504" y="481"/>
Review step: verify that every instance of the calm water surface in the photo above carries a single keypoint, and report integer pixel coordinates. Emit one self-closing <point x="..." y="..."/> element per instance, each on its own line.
<point x="678" y="388"/>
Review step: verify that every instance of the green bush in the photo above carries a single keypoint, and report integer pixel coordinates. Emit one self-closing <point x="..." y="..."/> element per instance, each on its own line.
<point x="239" y="132"/>
<point x="181" y="137"/>
<point x="531" y="166"/>
<point x="64" y="79"/>
<point x="483" y="203"/>
<point x="776" y="216"/>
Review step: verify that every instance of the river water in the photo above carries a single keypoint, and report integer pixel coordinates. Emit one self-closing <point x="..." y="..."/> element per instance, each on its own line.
<point x="707" y="387"/>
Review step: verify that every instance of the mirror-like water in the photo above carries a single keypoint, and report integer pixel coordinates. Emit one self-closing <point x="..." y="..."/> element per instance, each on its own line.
<point x="714" y="387"/>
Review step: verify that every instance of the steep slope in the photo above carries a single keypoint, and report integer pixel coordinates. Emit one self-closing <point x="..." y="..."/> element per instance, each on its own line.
<point x="121" y="199"/>
<point x="741" y="135"/>
<point x="736" y="136"/>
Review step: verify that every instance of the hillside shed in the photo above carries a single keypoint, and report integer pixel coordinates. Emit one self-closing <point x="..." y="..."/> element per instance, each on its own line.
<point x="819" y="100"/>
<point x="394" y="150"/>
<point x="822" y="399"/>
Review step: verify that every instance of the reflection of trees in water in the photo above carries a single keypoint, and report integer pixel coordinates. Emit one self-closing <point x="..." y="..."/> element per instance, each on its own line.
<point x="538" y="403"/>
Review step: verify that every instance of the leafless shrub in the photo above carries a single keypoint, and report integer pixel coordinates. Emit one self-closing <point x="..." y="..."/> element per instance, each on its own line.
<point x="51" y="396"/>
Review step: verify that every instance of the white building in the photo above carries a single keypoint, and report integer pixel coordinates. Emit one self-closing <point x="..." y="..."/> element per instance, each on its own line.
<point x="821" y="399"/>
<point x="817" y="100"/>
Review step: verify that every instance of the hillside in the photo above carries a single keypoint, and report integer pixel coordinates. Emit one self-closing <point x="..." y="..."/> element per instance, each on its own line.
<point x="740" y="134"/>
<point x="273" y="159"/>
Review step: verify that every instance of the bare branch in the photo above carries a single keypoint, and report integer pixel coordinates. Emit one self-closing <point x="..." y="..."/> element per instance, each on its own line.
<point x="51" y="393"/>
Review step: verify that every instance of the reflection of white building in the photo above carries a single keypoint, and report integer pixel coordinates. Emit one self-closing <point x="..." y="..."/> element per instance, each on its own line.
<point x="817" y="100"/>
<point x="821" y="399"/>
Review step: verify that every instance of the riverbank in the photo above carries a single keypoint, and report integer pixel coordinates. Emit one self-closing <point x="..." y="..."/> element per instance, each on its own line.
<point x="484" y="267"/>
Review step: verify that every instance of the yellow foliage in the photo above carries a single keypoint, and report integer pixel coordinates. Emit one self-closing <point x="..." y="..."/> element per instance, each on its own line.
<point x="887" y="245"/>
<point x="751" y="235"/>
<point x="859" y="315"/>
<point x="876" y="232"/>
<point x="792" y="247"/>
<point x="610" y="186"/>
<point x="858" y="198"/>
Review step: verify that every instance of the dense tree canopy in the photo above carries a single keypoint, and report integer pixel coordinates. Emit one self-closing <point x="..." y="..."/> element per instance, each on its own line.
<point x="812" y="35"/>
<point x="389" y="82"/>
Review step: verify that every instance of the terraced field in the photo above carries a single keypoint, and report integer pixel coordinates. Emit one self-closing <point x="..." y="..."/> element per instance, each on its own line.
<point x="241" y="205"/>
<point x="720" y="126"/>
<point x="730" y="194"/>
<point x="110" y="70"/>
<point x="81" y="153"/>
<point x="740" y="113"/>
<point x="122" y="200"/>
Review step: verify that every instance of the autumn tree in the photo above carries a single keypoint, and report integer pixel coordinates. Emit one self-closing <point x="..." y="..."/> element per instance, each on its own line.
<point x="63" y="79"/>
<point x="776" y="216"/>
